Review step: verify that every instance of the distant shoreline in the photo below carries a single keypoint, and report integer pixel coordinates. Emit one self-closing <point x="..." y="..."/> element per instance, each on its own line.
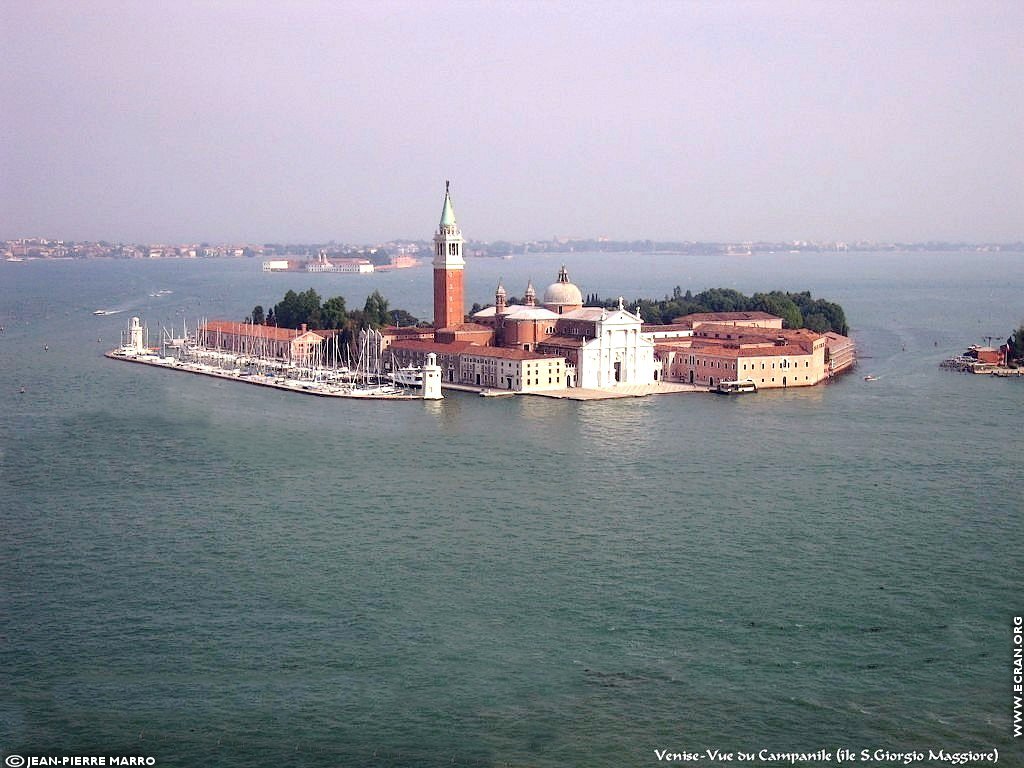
<point x="389" y="268"/>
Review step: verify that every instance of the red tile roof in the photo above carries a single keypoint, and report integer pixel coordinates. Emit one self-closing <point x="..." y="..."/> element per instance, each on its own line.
<point x="573" y="342"/>
<point x="653" y="327"/>
<point x="463" y="327"/>
<point x="508" y="353"/>
<point x="748" y="335"/>
<point x="837" y="343"/>
<point x="467" y="347"/>
<point x="721" y="350"/>
<point x="253" y="331"/>
<point x="416" y="345"/>
<point x="787" y="350"/>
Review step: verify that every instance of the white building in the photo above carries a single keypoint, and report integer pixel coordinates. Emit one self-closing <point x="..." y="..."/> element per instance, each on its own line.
<point x="606" y="348"/>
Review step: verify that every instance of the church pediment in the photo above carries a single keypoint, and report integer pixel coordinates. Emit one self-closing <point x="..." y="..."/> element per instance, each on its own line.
<point x="620" y="317"/>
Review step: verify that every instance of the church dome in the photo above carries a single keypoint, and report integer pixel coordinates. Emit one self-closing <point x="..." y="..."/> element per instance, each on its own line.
<point x="563" y="293"/>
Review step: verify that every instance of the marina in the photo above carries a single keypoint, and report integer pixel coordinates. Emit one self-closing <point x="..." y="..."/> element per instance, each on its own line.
<point x="300" y="385"/>
<point x="187" y="354"/>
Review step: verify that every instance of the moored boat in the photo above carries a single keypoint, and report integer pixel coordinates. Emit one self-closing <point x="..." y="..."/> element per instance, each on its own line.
<point x="735" y="387"/>
<point x="410" y="376"/>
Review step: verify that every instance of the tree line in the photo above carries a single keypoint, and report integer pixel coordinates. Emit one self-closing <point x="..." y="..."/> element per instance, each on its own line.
<point x="797" y="310"/>
<point x="333" y="314"/>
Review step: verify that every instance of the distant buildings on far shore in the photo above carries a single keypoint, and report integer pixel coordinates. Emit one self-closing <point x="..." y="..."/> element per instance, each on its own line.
<point x="382" y="255"/>
<point x="322" y="263"/>
<point x="391" y="255"/>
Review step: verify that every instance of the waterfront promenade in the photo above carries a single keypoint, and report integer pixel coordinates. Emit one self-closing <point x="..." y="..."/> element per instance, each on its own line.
<point x="579" y="393"/>
<point x="623" y="390"/>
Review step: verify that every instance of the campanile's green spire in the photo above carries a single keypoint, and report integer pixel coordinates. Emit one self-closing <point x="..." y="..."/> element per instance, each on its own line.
<point x="448" y="240"/>
<point x="447" y="213"/>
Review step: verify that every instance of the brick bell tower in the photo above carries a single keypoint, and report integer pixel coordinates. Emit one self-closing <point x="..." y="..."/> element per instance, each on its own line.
<point x="448" y="268"/>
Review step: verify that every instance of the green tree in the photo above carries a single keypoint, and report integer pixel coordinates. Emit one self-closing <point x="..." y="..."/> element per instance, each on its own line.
<point x="832" y="313"/>
<point x="309" y="309"/>
<point x="375" y="311"/>
<point x="356" y="320"/>
<point x="257" y="318"/>
<point x="333" y="313"/>
<point x="722" y="300"/>
<point x="778" y="304"/>
<point x="298" y="308"/>
<point x="286" y="311"/>
<point x="817" y="322"/>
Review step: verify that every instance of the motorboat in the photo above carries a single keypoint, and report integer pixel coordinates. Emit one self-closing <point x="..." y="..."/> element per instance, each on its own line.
<point x="735" y="387"/>
<point x="410" y="376"/>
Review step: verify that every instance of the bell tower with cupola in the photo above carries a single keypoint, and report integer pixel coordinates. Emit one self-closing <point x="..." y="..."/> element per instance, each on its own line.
<point x="449" y="301"/>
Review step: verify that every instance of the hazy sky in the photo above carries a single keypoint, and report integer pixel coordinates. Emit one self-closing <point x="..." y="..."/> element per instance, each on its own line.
<point x="303" y="121"/>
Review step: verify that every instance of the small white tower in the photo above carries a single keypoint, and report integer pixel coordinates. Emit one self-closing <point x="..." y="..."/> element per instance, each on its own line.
<point x="431" y="378"/>
<point x="136" y="341"/>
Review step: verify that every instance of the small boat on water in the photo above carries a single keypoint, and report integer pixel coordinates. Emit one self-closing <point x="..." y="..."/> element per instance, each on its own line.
<point x="736" y="387"/>
<point x="869" y="377"/>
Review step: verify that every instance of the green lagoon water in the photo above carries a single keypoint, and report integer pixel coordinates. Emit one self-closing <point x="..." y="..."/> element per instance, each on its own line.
<point x="215" y="574"/>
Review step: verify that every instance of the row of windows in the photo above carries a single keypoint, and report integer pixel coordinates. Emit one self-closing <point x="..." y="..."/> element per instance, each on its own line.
<point x="490" y="363"/>
<point x="712" y="364"/>
<point x="783" y="364"/>
<point x="719" y="364"/>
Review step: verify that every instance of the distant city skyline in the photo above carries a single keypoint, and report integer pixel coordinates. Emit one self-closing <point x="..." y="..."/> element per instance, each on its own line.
<point x="310" y="122"/>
